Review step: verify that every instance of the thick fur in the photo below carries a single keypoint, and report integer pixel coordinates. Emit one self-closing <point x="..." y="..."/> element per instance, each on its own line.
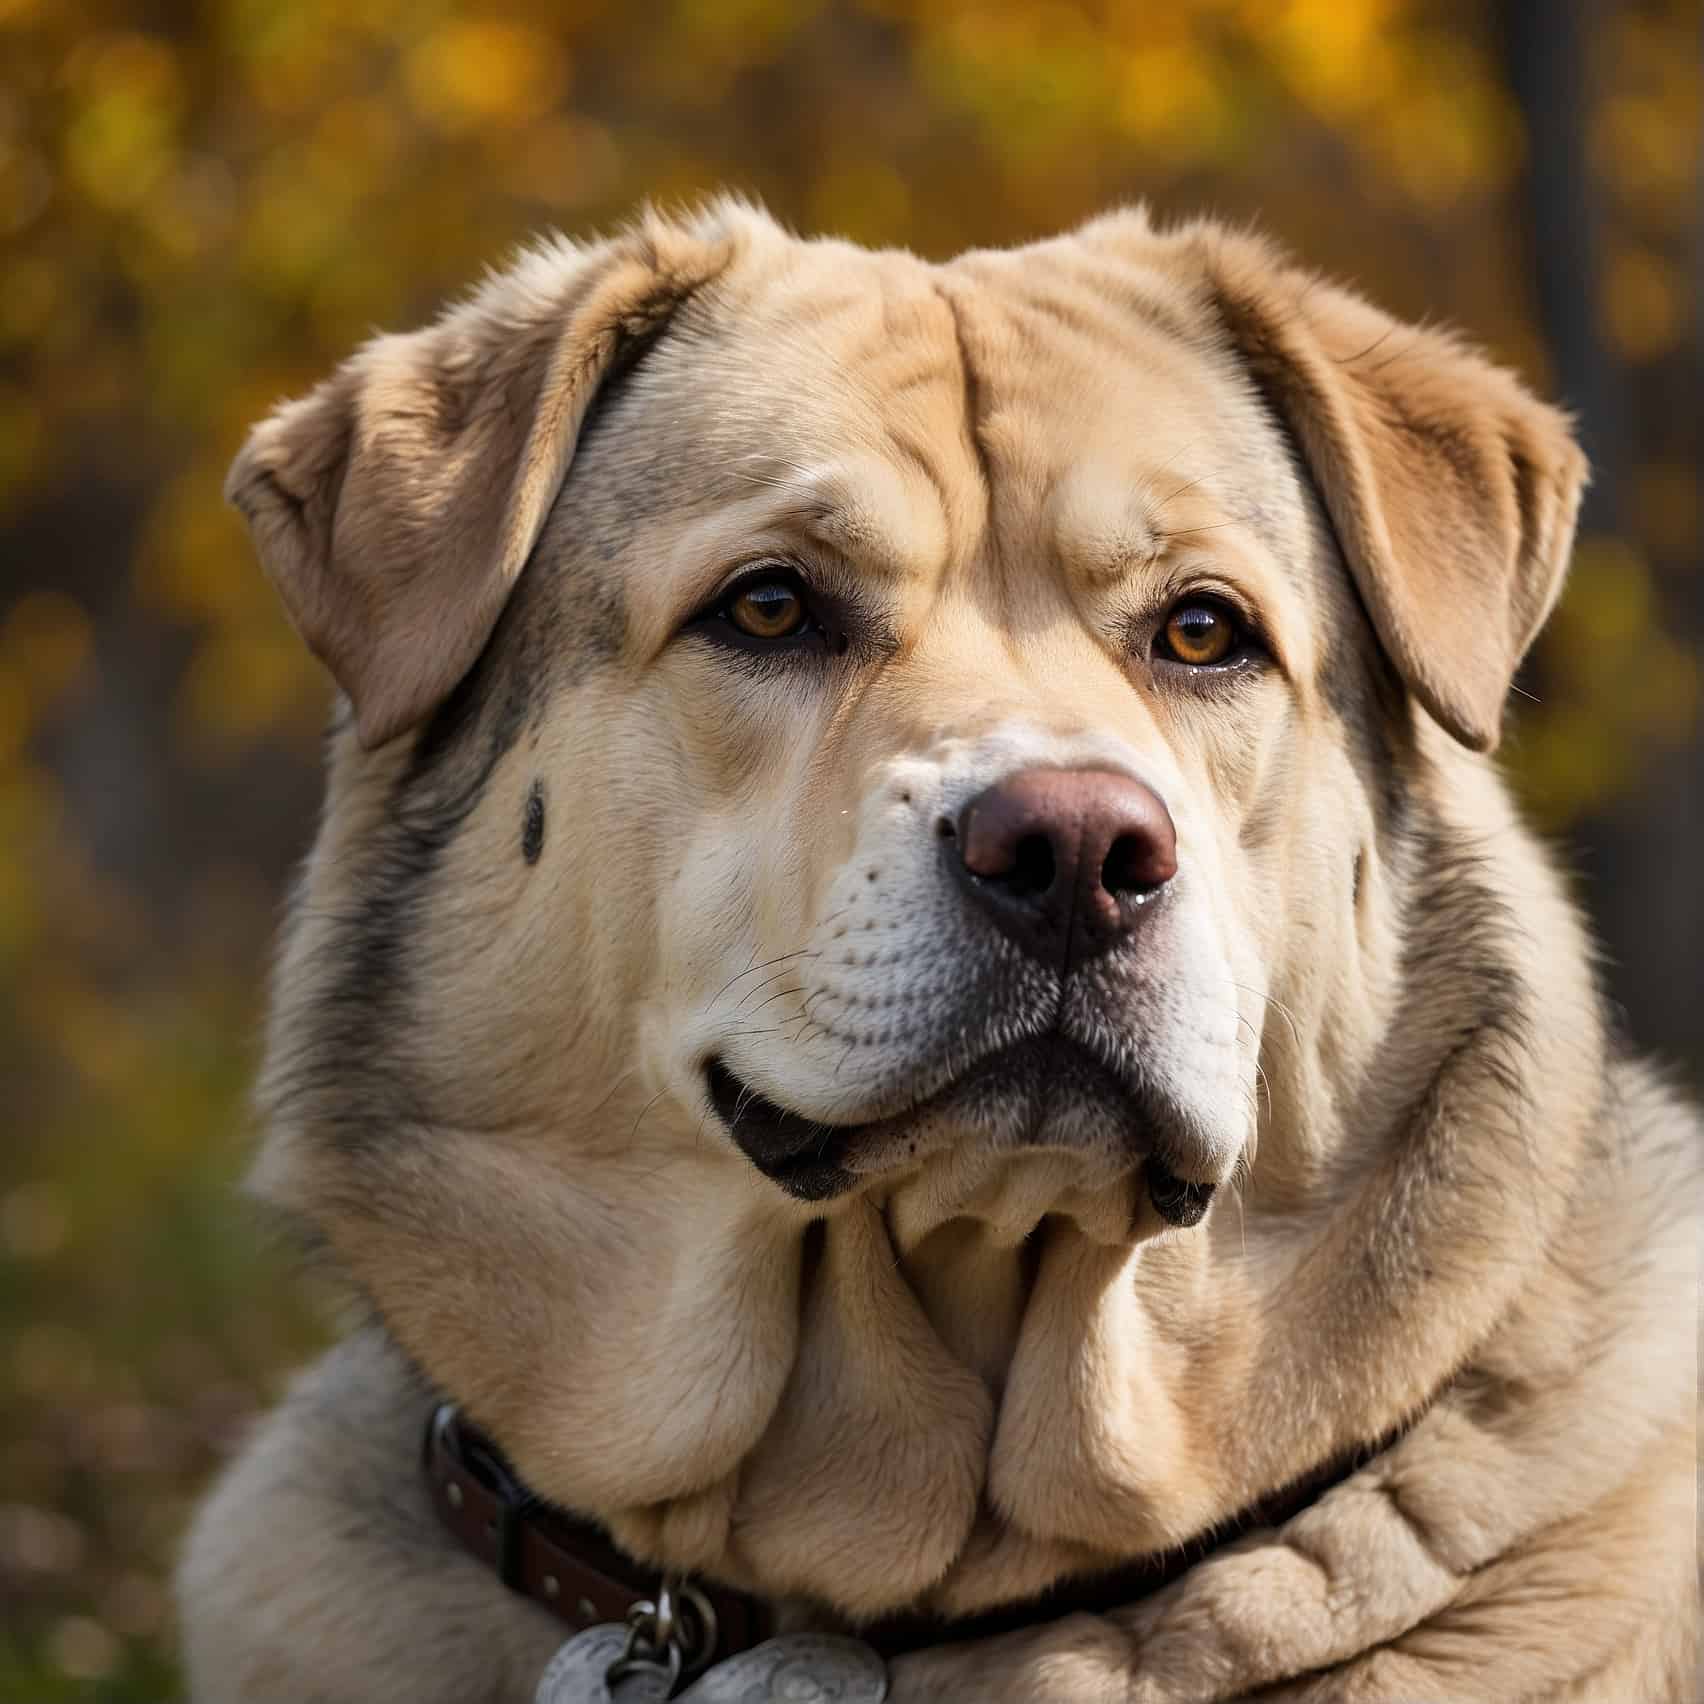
<point x="574" y="848"/>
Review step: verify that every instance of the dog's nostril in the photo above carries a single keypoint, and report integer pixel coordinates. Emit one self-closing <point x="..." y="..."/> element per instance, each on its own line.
<point x="1033" y="867"/>
<point x="944" y="830"/>
<point x="1131" y="867"/>
<point x="1062" y="860"/>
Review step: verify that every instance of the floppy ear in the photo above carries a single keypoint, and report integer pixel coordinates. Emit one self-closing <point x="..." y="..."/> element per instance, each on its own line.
<point x="395" y="506"/>
<point x="1452" y="490"/>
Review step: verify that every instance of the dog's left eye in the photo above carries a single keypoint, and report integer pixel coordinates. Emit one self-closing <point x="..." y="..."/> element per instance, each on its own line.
<point x="1201" y="633"/>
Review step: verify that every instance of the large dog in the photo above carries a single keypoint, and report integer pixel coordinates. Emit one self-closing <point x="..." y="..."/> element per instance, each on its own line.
<point x="917" y="994"/>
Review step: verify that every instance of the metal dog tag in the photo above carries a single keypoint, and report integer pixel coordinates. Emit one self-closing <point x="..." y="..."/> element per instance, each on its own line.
<point x="579" y="1672"/>
<point x="797" y="1668"/>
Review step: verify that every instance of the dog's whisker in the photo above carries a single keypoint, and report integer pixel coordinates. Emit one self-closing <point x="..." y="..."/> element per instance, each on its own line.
<point x="751" y="992"/>
<point x="1190" y="485"/>
<point x="614" y="1087"/>
<point x="634" y="1132"/>
<point x="1187" y="532"/>
<point x="1277" y="1005"/>
<point x="1147" y="488"/>
<point x="1266" y="1087"/>
<point x="782" y="958"/>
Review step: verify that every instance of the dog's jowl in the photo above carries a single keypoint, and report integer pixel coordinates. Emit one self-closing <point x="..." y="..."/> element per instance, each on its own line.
<point x="919" y="1010"/>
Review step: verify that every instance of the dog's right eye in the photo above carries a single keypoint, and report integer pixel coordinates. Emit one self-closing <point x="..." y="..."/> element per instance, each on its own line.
<point x="768" y="609"/>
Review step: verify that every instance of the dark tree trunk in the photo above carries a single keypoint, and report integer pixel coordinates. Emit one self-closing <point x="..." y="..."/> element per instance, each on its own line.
<point x="1637" y="854"/>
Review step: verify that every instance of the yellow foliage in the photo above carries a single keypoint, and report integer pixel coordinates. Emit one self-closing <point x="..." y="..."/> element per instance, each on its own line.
<point x="1645" y="303"/>
<point x="44" y="644"/>
<point x="471" y="74"/>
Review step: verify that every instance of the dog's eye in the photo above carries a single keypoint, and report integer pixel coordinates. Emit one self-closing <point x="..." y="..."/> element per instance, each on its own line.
<point x="1200" y="634"/>
<point x="773" y="615"/>
<point x="768" y="609"/>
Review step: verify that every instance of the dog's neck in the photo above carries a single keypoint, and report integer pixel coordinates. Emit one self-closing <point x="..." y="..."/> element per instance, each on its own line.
<point x="570" y="1567"/>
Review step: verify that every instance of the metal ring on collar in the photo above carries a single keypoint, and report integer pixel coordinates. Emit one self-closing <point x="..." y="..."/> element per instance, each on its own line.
<point x="676" y="1632"/>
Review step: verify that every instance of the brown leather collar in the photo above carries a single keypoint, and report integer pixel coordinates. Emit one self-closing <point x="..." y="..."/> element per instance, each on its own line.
<point x="567" y="1565"/>
<point x="571" y="1568"/>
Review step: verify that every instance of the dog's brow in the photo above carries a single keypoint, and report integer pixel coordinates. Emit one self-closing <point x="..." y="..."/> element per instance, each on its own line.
<point x="852" y="530"/>
<point x="1104" y="530"/>
<point x="870" y="513"/>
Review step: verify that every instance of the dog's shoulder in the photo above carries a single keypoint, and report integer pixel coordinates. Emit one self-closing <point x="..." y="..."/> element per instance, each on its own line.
<point x="315" y="1570"/>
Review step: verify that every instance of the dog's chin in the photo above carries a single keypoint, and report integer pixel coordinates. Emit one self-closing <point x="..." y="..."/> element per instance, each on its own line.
<point x="1038" y="1095"/>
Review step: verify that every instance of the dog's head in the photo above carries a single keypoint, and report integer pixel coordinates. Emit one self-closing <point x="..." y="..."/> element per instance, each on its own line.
<point x="934" y="752"/>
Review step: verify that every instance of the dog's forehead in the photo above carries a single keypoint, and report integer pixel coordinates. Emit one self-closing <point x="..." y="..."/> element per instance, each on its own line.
<point x="1047" y="399"/>
<point x="814" y="375"/>
<point x="1107" y="382"/>
<point x="835" y="351"/>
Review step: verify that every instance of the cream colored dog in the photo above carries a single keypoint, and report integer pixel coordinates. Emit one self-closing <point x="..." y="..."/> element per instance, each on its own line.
<point x="915" y="984"/>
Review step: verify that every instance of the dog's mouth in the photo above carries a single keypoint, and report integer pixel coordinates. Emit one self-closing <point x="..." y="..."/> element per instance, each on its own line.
<point x="801" y="1154"/>
<point x="1044" y="1092"/>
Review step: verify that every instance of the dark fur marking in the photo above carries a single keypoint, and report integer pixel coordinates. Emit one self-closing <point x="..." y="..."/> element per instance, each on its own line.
<point x="347" y="1076"/>
<point x="350" y="1077"/>
<point x="532" y="823"/>
<point x="1456" y="959"/>
<point x="1368" y="698"/>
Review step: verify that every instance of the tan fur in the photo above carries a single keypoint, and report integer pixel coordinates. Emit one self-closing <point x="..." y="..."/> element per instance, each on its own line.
<point x="395" y="507"/>
<point x="989" y="1369"/>
<point x="1453" y="490"/>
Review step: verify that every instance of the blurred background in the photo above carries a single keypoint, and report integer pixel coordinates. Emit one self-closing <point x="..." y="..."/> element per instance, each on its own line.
<point x="203" y="206"/>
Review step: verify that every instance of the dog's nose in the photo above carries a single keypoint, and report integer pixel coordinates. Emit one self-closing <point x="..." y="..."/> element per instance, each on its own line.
<point x="1063" y="859"/>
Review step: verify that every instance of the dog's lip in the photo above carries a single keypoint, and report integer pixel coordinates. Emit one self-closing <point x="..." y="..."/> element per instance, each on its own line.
<point x="802" y="1154"/>
<point x="806" y="1155"/>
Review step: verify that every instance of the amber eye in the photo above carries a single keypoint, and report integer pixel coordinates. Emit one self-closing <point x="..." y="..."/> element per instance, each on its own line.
<point x="768" y="609"/>
<point x="1199" y="634"/>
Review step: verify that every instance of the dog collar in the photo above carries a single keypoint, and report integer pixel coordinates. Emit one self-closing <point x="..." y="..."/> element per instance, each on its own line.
<point x="571" y="1568"/>
<point x="566" y="1565"/>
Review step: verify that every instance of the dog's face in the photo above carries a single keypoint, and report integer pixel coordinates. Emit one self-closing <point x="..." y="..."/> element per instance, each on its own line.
<point x="841" y="740"/>
<point x="940" y="775"/>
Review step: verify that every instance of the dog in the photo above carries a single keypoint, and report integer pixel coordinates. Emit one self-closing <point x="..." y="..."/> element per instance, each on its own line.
<point x="918" y="996"/>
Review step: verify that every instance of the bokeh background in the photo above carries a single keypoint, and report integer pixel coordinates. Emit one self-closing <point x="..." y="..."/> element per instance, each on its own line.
<point x="205" y="203"/>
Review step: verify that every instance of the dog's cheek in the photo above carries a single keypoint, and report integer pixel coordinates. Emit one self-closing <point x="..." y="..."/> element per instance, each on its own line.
<point x="742" y="789"/>
<point x="516" y="964"/>
<point x="1252" y="829"/>
<point x="1304" y="863"/>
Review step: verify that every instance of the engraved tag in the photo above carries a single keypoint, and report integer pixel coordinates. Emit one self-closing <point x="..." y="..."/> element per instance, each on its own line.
<point x="579" y="1670"/>
<point x="797" y="1668"/>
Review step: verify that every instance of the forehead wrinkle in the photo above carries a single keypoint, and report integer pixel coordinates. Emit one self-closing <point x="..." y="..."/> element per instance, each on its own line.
<point x="1120" y="342"/>
<point x="866" y="512"/>
<point x="877" y="516"/>
<point x="1153" y="450"/>
<point x="1103" y="522"/>
<point x="836" y="400"/>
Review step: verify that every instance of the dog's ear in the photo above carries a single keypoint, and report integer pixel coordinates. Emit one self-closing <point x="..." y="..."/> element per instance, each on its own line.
<point x="1452" y="490"/>
<point x="395" y="505"/>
